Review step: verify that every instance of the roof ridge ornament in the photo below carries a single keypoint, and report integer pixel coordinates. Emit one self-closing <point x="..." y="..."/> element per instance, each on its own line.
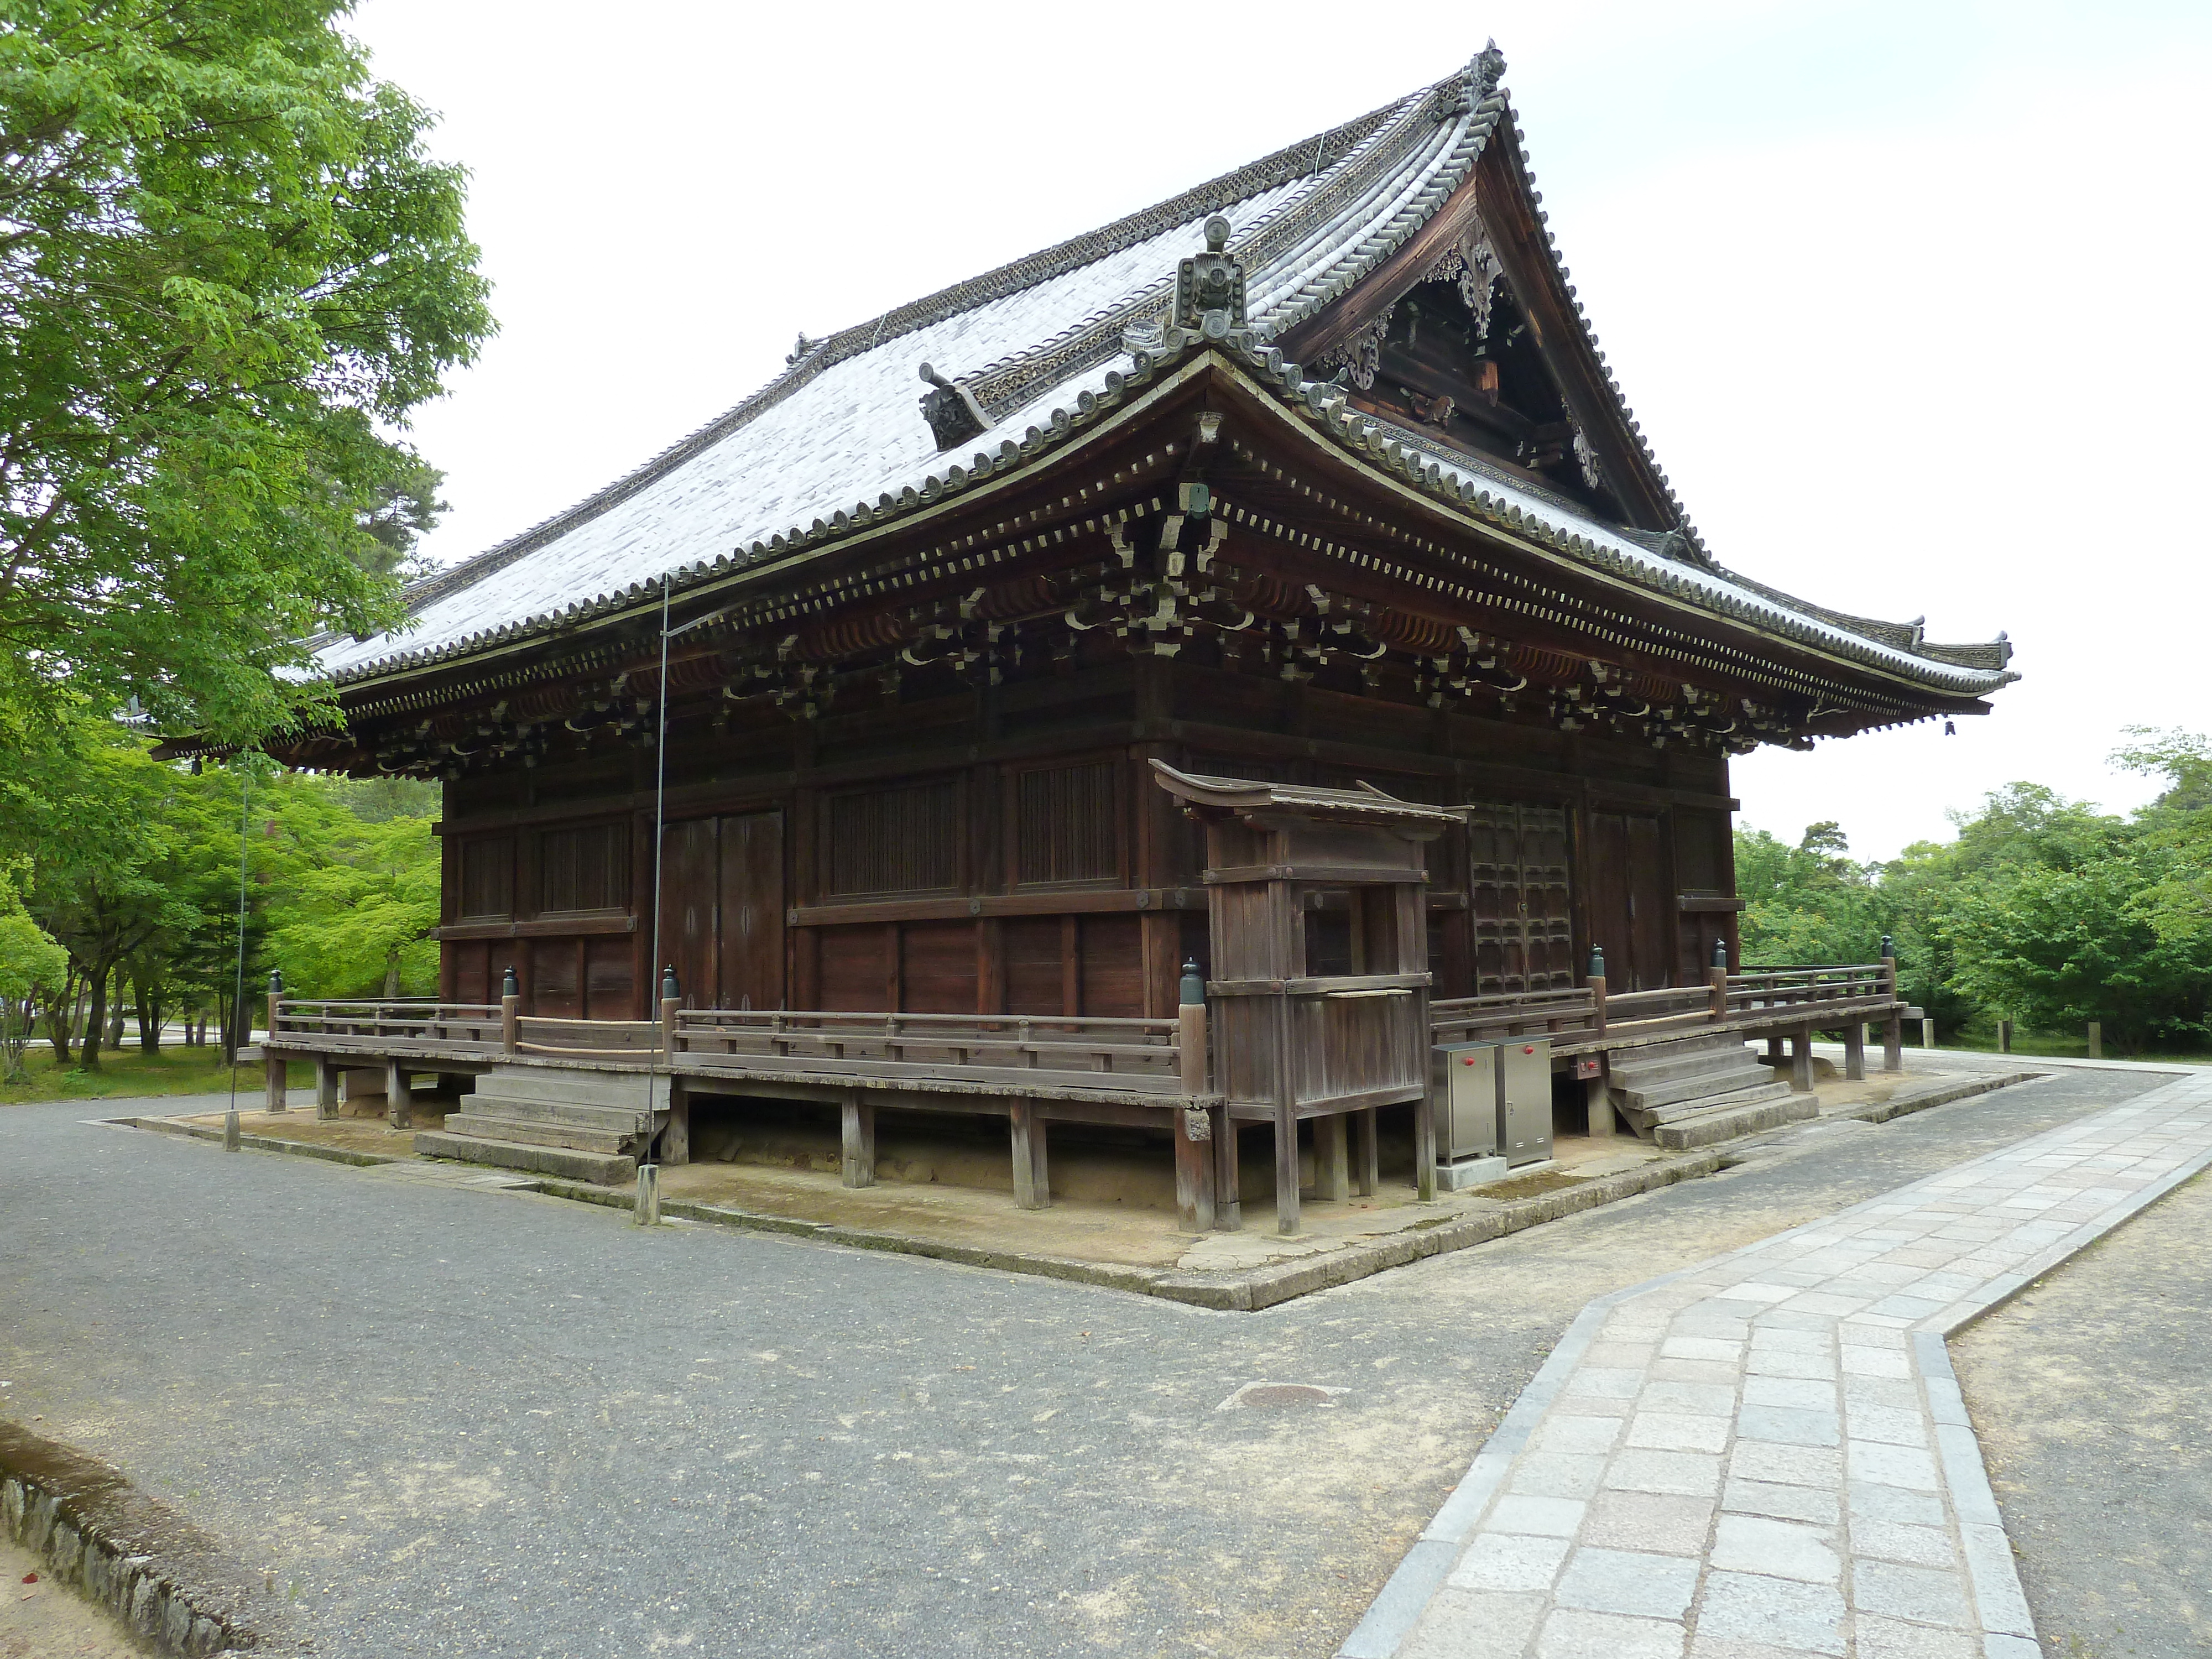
<point x="1477" y="80"/>
<point x="1210" y="287"/>
<point x="952" y="411"/>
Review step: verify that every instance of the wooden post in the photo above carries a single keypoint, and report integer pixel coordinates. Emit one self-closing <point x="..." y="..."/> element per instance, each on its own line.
<point x="1596" y="983"/>
<point x="1597" y="1100"/>
<point x="1855" y="1051"/>
<point x="1191" y="1127"/>
<point x="510" y="1023"/>
<point x="1286" y="1170"/>
<point x="326" y="1087"/>
<point x="1332" y="1160"/>
<point x="399" y="1104"/>
<point x="2004" y="1036"/>
<point x="1800" y="1061"/>
<point x="2096" y="1039"/>
<point x="859" y="1143"/>
<point x="1716" y="984"/>
<point x="1893" y="1043"/>
<point x="273" y="1062"/>
<point x="646" y="1213"/>
<point x="676" y="1139"/>
<point x="1366" y="1162"/>
<point x="668" y="1007"/>
<point x="1228" y="1180"/>
<point x="1032" y="1183"/>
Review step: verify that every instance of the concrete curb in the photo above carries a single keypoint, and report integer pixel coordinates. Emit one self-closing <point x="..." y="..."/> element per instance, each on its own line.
<point x="167" y="1126"/>
<point x="172" y="1584"/>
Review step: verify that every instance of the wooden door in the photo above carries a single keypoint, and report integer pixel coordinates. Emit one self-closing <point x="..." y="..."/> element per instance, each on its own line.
<point x="1651" y="912"/>
<point x="1605" y="878"/>
<point x="750" y="947"/>
<point x="690" y="884"/>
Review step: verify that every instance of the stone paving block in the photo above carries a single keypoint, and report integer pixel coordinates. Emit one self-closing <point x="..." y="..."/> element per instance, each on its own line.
<point x="1605" y="1382"/>
<point x="1576" y="1434"/>
<point x="1501" y="1561"/>
<point x="1660" y="1523"/>
<point x="1780" y="1549"/>
<point x="1793" y="1466"/>
<point x="1770" y="1338"/>
<point x="1473" y="1625"/>
<point x="1897" y="1426"/>
<point x="1750" y="1606"/>
<point x="1861" y="1359"/>
<point x="1728" y="1647"/>
<point x="1589" y="1406"/>
<point x="1892" y="1466"/>
<point x="1689" y="1474"/>
<point x="1702" y="1399"/>
<point x="1611" y="1355"/>
<point x="1788" y="1319"/>
<point x="1788" y="1426"/>
<point x="1629" y="1582"/>
<point x="1814" y="1504"/>
<point x="1570" y="1633"/>
<point x="1801" y="1394"/>
<point x="1925" y="1595"/>
<point x="1787" y="1362"/>
<point x="1678" y="1432"/>
<point x="2010" y="1647"/>
<point x="1886" y="1639"/>
<point x="1711" y="1371"/>
<point x="1908" y="1307"/>
<point x="1869" y="1502"/>
<point x="1995" y="1581"/>
<point x="1893" y="1541"/>
<point x="1553" y="1517"/>
<point x="1556" y="1474"/>
<point x="1701" y="1347"/>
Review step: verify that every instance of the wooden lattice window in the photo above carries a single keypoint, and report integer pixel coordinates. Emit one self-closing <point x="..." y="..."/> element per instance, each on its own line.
<point x="1066" y="824"/>
<point x="902" y="840"/>
<point x="582" y="869"/>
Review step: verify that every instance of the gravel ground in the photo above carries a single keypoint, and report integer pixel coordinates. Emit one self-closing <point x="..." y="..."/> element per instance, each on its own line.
<point x="2092" y="1393"/>
<point x="460" y="1421"/>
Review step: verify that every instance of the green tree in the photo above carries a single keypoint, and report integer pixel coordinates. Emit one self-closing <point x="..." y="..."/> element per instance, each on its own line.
<point x="380" y="886"/>
<point x="1808" y="903"/>
<point x="229" y="270"/>
<point x="32" y="963"/>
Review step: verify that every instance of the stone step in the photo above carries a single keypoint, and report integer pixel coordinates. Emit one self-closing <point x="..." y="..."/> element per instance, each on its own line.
<point x="1756" y="1094"/>
<point x="581" y="1086"/>
<point x="1726" y="1123"/>
<point x="1644" y="1068"/>
<point x="599" y="1169"/>
<point x="1745" y="1073"/>
<point x="490" y="1125"/>
<point x="557" y="1111"/>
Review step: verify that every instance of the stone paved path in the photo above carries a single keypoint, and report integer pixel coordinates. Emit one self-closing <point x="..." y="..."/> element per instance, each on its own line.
<point x="1767" y="1455"/>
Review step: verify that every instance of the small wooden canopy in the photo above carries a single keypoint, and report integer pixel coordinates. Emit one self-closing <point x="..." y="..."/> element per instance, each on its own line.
<point x="1265" y="805"/>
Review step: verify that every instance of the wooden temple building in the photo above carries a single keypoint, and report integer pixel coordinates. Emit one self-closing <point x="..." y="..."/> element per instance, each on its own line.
<point x="1313" y="477"/>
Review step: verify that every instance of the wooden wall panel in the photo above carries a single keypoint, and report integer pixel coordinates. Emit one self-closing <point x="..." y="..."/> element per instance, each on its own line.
<point x="690" y="884"/>
<point x="853" y="966"/>
<point x="474" y="977"/>
<point x="1113" y="980"/>
<point x="556" y="985"/>
<point x="1651" y="904"/>
<point x="610" y="989"/>
<point x="936" y="967"/>
<point x="1034" y="980"/>
<point x="900" y="840"/>
<point x="486" y="891"/>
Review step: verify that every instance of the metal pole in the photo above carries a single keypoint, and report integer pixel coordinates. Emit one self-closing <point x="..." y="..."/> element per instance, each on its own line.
<point x="648" y="1172"/>
<point x="238" y="996"/>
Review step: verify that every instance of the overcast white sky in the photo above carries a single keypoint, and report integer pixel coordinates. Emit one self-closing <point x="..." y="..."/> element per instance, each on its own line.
<point x="1910" y="298"/>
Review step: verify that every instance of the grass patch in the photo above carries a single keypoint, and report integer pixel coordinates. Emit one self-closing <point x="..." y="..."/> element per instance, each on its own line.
<point x="2032" y="1044"/>
<point x="122" y="1075"/>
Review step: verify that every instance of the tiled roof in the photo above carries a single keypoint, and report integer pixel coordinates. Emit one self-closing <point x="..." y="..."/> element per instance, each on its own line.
<point x="837" y="441"/>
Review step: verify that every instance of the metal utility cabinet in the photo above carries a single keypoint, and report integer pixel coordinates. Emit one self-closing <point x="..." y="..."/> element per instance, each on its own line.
<point x="1524" y="1100"/>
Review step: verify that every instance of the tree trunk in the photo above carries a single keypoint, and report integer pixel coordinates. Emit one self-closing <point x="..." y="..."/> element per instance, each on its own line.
<point x="392" y="974"/>
<point x="61" y="1018"/>
<point x="95" y="1025"/>
<point x="150" y="1015"/>
<point x="115" y="1016"/>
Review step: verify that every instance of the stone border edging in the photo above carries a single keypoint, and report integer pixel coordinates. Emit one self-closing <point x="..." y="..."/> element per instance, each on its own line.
<point x="1250" y="1291"/>
<point x="129" y="1555"/>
